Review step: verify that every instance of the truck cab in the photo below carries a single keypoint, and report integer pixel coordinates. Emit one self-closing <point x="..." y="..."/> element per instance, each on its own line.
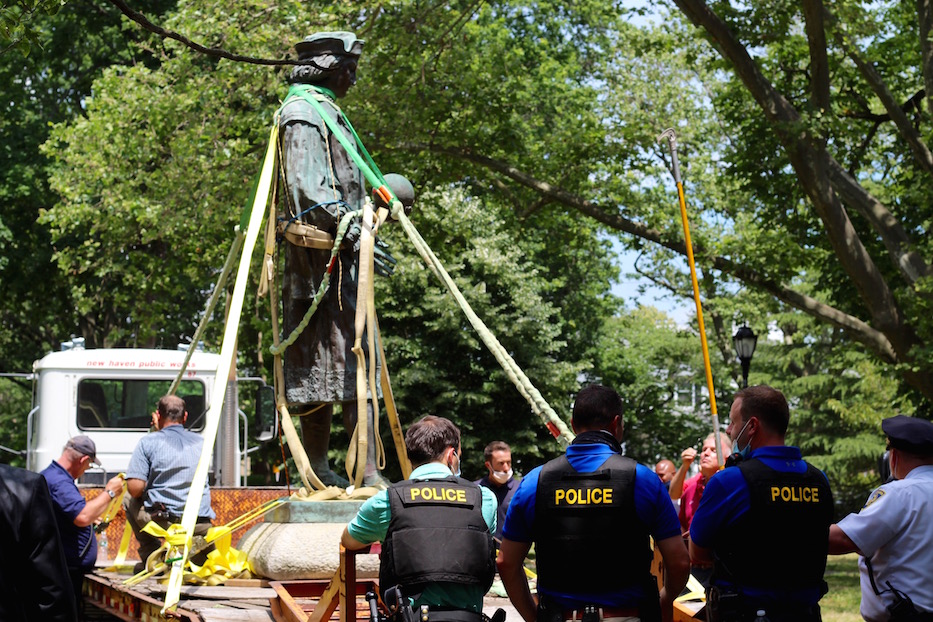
<point x="110" y="394"/>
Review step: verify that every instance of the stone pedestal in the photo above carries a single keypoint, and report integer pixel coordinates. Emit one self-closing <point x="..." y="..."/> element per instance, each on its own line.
<point x="301" y="540"/>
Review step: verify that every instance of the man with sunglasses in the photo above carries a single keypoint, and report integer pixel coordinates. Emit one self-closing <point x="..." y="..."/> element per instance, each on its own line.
<point x="763" y="522"/>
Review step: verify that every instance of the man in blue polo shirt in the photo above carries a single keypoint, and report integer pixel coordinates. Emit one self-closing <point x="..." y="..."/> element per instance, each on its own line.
<point x="590" y="514"/>
<point x="435" y="527"/>
<point x="764" y="521"/>
<point x="74" y="516"/>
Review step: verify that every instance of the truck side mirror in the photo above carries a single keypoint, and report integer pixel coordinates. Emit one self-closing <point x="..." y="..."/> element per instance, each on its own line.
<point x="266" y="426"/>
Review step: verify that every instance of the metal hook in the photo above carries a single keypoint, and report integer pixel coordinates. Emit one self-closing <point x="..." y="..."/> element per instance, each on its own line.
<point x="669" y="135"/>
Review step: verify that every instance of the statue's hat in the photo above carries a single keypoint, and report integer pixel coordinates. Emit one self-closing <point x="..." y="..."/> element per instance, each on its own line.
<point x="338" y="43"/>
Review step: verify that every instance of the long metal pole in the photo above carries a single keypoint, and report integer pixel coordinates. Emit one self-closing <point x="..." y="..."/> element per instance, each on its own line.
<point x="671" y="139"/>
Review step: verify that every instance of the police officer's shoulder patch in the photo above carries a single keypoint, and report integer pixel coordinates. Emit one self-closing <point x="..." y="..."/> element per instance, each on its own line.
<point x="874" y="497"/>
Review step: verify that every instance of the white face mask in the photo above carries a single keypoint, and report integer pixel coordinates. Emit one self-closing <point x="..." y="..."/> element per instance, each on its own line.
<point x="501" y="477"/>
<point x="456" y="471"/>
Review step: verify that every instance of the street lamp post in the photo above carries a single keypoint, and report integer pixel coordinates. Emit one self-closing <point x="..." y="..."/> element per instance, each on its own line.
<point x="745" y="341"/>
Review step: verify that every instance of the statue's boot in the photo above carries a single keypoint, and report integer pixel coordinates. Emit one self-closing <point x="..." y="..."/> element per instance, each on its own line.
<point x="371" y="474"/>
<point x="315" y="436"/>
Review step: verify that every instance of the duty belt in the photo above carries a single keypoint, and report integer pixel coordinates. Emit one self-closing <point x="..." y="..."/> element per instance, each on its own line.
<point x="449" y="614"/>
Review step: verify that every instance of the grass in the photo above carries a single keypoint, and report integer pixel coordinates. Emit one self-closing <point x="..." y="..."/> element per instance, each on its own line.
<point x="841" y="603"/>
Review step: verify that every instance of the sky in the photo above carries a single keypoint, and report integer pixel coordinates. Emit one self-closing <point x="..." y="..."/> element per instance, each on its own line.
<point x="680" y="309"/>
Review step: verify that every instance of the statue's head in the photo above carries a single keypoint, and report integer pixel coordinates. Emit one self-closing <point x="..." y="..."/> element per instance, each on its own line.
<point x="333" y="57"/>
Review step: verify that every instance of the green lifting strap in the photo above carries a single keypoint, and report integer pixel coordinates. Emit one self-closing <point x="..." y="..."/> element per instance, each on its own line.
<point x="370" y="170"/>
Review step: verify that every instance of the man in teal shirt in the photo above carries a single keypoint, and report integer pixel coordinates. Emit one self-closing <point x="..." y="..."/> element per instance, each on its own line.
<point x="436" y="528"/>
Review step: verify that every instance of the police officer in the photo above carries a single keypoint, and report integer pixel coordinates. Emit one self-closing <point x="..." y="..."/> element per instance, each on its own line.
<point x="893" y="532"/>
<point x="436" y="529"/>
<point x="763" y="523"/>
<point x="590" y="514"/>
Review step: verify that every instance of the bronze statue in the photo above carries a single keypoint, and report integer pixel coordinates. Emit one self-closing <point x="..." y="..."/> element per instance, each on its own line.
<point x="321" y="183"/>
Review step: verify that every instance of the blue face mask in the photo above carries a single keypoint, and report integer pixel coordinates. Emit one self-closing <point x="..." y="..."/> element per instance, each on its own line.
<point x="748" y="446"/>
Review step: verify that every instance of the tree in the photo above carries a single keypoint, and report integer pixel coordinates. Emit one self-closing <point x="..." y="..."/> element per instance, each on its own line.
<point x="67" y="49"/>
<point x="658" y="370"/>
<point x="150" y="178"/>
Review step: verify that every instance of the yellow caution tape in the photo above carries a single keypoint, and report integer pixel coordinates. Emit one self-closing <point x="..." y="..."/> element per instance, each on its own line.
<point x="697" y="591"/>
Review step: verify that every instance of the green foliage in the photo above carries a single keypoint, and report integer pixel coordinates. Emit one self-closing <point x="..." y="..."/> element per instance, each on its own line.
<point x="150" y="179"/>
<point x="20" y="21"/>
<point x="15" y="395"/>
<point x="67" y="50"/>
<point x="656" y="367"/>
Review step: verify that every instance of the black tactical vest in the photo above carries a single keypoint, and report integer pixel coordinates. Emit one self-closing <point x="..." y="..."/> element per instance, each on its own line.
<point x="436" y="533"/>
<point x="587" y="534"/>
<point x="781" y="542"/>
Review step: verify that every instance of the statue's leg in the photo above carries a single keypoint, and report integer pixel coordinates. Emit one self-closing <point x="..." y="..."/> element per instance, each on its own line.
<point x="315" y="436"/>
<point x="371" y="474"/>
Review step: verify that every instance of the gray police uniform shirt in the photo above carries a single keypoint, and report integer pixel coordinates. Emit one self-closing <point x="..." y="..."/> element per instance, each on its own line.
<point x="895" y="530"/>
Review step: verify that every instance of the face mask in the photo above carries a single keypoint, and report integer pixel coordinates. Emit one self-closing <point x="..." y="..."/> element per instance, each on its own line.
<point x="501" y="477"/>
<point x="748" y="446"/>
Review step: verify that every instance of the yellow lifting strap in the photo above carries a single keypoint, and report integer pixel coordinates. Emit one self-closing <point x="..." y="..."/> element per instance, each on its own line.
<point x="227" y="352"/>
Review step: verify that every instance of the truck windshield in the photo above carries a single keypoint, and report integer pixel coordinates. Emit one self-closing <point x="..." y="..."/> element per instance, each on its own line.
<point x="128" y="404"/>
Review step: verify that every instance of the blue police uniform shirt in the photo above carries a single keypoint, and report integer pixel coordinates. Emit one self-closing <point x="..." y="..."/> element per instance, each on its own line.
<point x="68" y="503"/>
<point x="652" y="506"/>
<point x="727" y="499"/>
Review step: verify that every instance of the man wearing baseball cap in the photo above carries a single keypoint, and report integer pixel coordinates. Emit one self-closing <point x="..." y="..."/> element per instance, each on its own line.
<point x="893" y="532"/>
<point x="74" y="516"/>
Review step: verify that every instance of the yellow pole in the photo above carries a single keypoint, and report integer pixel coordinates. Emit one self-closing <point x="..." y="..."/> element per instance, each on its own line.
<point x="671" y="138"/>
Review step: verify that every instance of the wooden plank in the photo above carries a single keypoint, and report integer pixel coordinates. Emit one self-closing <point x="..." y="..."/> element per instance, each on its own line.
<point x="222" y="592"/>
<point x="329" y="599"/>
<point x="247" y="583"/>
<point x="222" y="614"/>
<point x="288" y="609"/>
<point x="688" y="611"/>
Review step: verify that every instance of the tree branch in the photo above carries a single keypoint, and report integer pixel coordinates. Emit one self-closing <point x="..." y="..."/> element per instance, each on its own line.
<point x="892" y="234"/>
<point x="876" y="82"/>
<point x="811" y="163"/>
<point x="925" y="19"/>
<point x="860" y="331"/>
<point x="141" y="19"/>
<point x="819" y="64"/>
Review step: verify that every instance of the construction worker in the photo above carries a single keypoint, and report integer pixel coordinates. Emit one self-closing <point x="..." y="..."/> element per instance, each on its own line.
<point x="75" y="516"/>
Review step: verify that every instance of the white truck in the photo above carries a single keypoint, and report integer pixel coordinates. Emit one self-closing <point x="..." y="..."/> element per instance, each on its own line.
<point x="109" y="395"/>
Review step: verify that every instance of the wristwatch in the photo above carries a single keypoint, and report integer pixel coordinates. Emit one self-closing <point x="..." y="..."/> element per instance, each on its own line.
<point x="112" y="494"/>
